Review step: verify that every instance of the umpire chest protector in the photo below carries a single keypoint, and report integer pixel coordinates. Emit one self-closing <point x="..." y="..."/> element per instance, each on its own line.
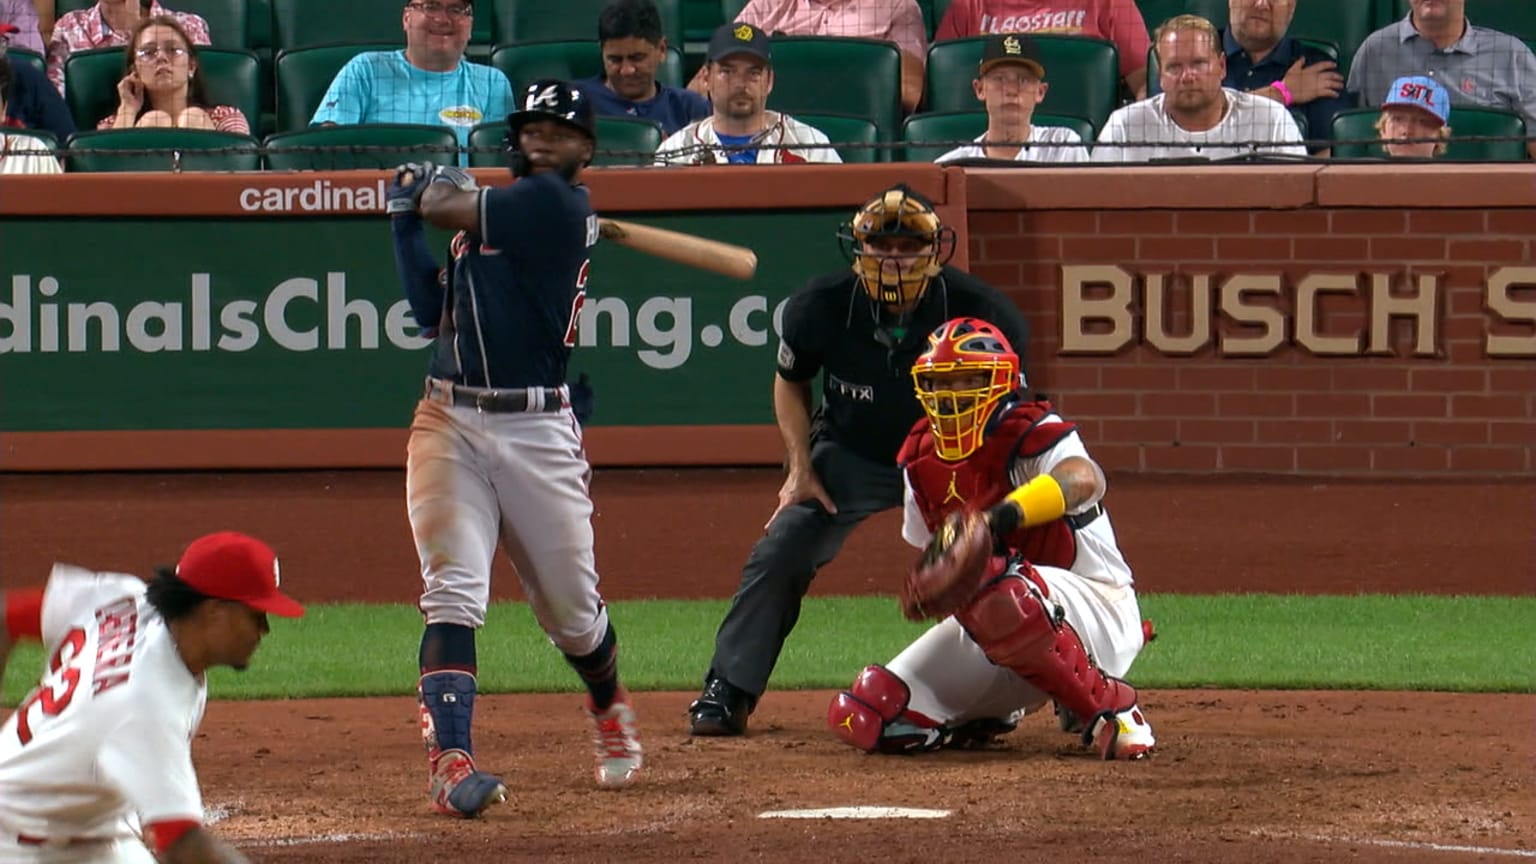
<point x="1021" y="431"/>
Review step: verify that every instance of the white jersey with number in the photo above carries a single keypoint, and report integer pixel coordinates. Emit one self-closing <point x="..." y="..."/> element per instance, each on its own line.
<point x="104" y="745"/>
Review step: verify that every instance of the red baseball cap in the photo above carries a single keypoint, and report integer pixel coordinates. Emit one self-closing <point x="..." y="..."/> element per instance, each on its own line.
<point x="232" y="566"/>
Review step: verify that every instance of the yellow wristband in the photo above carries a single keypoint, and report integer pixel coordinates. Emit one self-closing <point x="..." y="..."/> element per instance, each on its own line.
<point x="1041" y="501"/>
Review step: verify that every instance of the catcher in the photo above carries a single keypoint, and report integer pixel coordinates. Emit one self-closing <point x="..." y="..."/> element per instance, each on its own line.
<point x="1020" y="568"/>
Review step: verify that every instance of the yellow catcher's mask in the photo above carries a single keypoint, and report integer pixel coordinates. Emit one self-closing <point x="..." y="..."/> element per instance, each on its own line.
<point x="896" y="244"/>
<point x="961" y="379"/>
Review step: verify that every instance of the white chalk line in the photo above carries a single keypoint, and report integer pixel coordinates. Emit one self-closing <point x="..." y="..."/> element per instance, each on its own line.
<point x="1406" y="844"/>
<point x="322" y="839"/>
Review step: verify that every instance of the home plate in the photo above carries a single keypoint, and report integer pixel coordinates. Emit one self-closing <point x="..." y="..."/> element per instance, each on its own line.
<point x="855" y="813"/>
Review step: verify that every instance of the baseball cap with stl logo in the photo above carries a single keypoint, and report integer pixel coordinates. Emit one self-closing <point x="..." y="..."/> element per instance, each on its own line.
<point x="232" y="566"/>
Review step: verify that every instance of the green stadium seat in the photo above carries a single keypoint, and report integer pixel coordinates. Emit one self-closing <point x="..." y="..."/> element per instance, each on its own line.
<point x="1084" y="75"/>
<point x="1388" y="11"/>
<point x="228" y="20"/>
<point x="526" y="62"/>
<point x="295" y="23"/>
<point x="946" y="126"/>
<point x="933" y="13"/>
<point x="729" y="9"/>
<point x="1344" y="24"/>
<point x="382" y="145"/>
<point x="802" y="82"/>
<point x="700" y="18"/>
<point x="181" y="150"/>
<point x="31" y="58"/>
<point x="1302" y="122"/>
<point x="632" y="134"/>
<point x="1465" y="122"/>
<point x="850" y="130"/>
<point x="547" y="20"/>
<point x="1155" y="12"/>
<point x="1515" y="17"/>
<point x="231" y="77"/>
<point x="258" y="26"/>
<point x="61" y="7"/>
<point x="303" y="76"/>
<point x="1082" y="127"/>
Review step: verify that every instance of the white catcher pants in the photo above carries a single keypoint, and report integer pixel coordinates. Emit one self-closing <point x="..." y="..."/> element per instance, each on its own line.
<point x="952" y="680"/>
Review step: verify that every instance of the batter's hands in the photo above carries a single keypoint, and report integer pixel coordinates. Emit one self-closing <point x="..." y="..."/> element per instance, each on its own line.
<point x="404" y="192"/>
<point x="455" y="175"/>
<point x="801" y="485"/>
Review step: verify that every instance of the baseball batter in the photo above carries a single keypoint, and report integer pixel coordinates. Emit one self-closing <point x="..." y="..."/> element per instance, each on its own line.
<point x="96" y="763"/>
<point x="860" y="329"/>
<point x="495" y="451"/>
<point x="1056" y="616"/>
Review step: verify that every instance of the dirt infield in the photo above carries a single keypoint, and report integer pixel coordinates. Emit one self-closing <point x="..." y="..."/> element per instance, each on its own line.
<point x="1241" y="776"/>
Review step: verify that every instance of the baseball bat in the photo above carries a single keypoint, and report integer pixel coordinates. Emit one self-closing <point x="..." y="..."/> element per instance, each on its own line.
<point x="737" y="262"/>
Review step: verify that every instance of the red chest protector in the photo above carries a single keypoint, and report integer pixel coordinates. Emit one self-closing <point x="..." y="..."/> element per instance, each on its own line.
<point x="981" y="479"/>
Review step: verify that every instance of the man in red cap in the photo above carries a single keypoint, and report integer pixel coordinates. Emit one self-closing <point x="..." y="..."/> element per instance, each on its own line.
<point x="96" y="763"/>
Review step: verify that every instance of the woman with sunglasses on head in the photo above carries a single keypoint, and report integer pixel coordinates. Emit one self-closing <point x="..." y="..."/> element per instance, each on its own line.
<point x="162" y="84"/>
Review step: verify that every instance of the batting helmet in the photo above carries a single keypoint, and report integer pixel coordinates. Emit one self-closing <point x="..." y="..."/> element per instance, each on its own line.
<point x="896" y="244"/>
<point x="967" y="371"/>
<point x="549" y="99"/>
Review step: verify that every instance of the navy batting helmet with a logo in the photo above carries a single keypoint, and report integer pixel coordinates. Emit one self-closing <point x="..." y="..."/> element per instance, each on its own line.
<point x="553" y="99"/>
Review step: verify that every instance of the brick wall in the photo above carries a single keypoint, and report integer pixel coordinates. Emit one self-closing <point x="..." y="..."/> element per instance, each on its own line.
<point x="1406" y="395"/>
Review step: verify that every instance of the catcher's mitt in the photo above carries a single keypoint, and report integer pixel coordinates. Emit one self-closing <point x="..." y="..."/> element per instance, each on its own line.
<point x="949" y="572"/>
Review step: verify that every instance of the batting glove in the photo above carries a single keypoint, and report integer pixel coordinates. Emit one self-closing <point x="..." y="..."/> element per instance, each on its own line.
<point x="404" y="191"/>
<point x="457" y="176"/>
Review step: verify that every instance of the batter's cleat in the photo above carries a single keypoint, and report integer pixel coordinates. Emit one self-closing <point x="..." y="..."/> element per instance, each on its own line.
<point x="1126" y="735"/>
<point x="721" y="709"/>
<point x="619" y="754"/>
<point x="459" y="790"/>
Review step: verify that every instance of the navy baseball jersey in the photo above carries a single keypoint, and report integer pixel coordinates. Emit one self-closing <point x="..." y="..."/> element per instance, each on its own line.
<point x="515" y="291"/>
<point x="868" y="403"/>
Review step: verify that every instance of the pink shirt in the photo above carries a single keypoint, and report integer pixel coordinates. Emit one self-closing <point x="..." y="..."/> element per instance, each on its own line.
<point x="85" y="29"/>
<point x="1119" y="21"/>
<point x="226" y="118"/>
<point x="899" y="21"/>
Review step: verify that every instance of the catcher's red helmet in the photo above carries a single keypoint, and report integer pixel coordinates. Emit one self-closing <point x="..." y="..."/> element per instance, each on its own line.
<point x="967" y="370"/>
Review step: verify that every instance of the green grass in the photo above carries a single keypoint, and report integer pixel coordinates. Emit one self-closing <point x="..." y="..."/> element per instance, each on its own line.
<point x="1261" y="641"/>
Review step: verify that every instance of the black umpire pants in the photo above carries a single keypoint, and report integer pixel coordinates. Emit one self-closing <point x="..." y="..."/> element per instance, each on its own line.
<point x="797" y="543"/>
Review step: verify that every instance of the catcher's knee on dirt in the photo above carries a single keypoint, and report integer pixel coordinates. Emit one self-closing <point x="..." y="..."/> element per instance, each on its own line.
<point x="872" y="715"/>
<point x="1020" y="630"/>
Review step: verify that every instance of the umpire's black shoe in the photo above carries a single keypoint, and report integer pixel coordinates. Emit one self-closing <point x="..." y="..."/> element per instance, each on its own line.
<point x="721" y="709"/>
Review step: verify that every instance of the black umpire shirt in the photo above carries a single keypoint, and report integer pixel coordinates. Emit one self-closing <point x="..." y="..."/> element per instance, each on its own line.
<point x="868" y="402"/>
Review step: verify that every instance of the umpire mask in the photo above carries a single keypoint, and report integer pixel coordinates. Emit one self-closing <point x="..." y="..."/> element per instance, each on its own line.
<point x="896" y="244"/>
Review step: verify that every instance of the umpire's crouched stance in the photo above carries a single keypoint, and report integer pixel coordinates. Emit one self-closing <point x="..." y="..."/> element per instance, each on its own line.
<point x="862" y="329"/>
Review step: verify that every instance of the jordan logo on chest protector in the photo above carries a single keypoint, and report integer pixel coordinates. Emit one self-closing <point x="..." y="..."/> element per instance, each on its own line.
<point x="953" y="494"/>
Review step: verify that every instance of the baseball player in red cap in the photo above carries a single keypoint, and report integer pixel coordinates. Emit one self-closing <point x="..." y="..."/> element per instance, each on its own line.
<point x="96" y="763"/>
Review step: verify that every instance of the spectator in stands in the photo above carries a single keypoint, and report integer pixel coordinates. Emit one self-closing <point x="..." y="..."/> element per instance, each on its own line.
<point x="1476" y="65"/>
<point x="21" y="16"/>
<point x="1415" y="108"/>
<point x="630" y="36"/>
<point x="1195" y="116"/>
<point x="898" y="21"/>
<point x="1011" y="82"/>
<point x="429" y="82"/>
<point x="1261" y="59"/>
<point x="32" y="103"/>
<point x="742" y="130"/>
<point x="108" y="24"/>
<point x="21" y="154"/>
<point x="1119" y="21"/>
<point x="162" y="85"/>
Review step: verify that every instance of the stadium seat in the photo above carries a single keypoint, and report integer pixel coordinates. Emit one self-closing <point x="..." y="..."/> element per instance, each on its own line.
<point x="956" y="126"/>
<point x="1084" y="75"/>
<point x="1465" y="122"/>
<point x="181" y="150"/>
<point x="933" y="13"/>
<point x="228" y="20"/>
<point x="729" y="9"/>
<point x="1155" y="12"/>
<point x="258" y="25"/>
<point x="633" y="134"/>
<point x="1082" y="127"/>
<point x="295" y="23"/>
<point x="382" y="145"/>
<point x="851" y="130"/>
<point x="231" y="77"/>
<point x="1388" y="11"/>
<point x="1510" y="16"/>
<point x="1344" y="24"/>
<point x="304" y="75"/>
<point x="524" y="21"/>
<point x="527" y="61"/>
<point x="31" y="58"/>
<point x="807" y="78"/>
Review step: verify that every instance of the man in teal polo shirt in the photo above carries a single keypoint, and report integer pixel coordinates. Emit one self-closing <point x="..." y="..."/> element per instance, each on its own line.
<point x="429" y="82"/>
